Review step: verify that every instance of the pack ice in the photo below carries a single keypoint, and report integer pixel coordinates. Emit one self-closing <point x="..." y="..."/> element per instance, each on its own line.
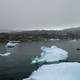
<point x="61" y="71"/>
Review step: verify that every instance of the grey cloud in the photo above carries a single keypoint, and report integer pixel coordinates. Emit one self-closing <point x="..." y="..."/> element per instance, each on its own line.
<point x="24" y="14"/>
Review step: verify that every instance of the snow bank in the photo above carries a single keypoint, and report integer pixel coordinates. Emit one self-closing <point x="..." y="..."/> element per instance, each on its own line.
<point x="5" y="54"/>
<point x="51" y="54"/>
<point x="61" y="71"/>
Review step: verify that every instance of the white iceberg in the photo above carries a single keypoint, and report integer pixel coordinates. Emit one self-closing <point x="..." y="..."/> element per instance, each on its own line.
<point x="74" y="40"/>
<point x="11" y="44"/>
<point x="54" y="39"/>
<point x="61" y="71"/>
<point x="5" y="54"/>
<point x="51" y="54"/>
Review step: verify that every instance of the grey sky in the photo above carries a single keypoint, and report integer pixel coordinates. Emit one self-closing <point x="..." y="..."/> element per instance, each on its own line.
<point x="39" y="14"/>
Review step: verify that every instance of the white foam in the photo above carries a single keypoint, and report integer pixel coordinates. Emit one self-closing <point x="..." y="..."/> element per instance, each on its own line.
<point x="61" y="71"/>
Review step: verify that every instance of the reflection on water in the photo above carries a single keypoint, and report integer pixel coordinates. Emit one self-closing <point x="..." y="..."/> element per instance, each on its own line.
<point x="17" y="65"/>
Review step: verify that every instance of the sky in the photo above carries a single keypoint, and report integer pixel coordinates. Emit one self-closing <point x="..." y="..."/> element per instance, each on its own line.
<point x="39" y="14"/>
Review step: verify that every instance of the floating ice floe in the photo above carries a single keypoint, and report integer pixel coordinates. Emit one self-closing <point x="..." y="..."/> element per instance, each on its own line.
<point x="5" y="54"/>
<point x="74" y="40"/>
<point x="51" y="54"/>
<point x="61" y="71"/>
<point x="11" y="44"/>
<point x="54" y="39"/>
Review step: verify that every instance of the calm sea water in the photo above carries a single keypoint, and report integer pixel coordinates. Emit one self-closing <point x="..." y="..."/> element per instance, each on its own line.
<point x="18" y="64"/>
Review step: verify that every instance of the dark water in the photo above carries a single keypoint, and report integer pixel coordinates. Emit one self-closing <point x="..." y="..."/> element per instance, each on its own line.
<point x="18" y="65"/>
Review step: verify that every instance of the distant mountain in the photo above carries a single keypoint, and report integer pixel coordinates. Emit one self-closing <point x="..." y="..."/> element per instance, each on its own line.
<point x="2" y="30"/>
<point x="72" y="29"/>
<point x="8" y="31"/>
<point x="39" y="35"/>
<point x="13" y="31"/>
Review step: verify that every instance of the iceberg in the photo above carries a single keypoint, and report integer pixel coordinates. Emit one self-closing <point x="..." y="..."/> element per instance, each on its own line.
<point x="11" y="44"/>
<point x="51" y="54"/>
<point x="61" y="71"/>
<point x="5" y="54"/>
<point x="54" y="39"/>
<point x="74" y="40"/>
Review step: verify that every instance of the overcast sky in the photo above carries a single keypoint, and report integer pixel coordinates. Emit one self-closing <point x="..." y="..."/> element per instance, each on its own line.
<point x="39" y="14"/>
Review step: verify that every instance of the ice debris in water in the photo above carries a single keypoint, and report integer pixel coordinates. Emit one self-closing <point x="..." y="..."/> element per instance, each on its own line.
<point x="5" y="54"/>
<point x="11" y="44"/>
<point x="51" y="54"/>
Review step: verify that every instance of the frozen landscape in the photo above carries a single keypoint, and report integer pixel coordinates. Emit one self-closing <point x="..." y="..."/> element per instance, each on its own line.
<point x="39" y="39"/>
<point x="55" y="71"/>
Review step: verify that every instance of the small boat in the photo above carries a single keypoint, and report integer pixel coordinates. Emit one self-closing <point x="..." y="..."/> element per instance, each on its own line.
<point x="11" y="44"/>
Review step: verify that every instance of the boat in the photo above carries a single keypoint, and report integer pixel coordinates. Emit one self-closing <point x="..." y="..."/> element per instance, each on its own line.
<point x="11" y="44"/>
<point x="51" y="54"/>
